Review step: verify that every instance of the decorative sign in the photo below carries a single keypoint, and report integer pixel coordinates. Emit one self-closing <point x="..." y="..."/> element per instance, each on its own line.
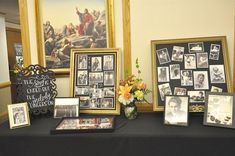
<point x="36" y="86"/>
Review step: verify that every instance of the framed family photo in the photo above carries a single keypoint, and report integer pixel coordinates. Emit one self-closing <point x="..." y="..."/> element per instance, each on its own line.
<point x="219" y="110"/>
<point x="96" y="82"/>
<point x="66" y="107"/>
<point x="176" y="110"/>
<point x="18" y="115"/>
<point x="71" y="24"/>
<point x="190" y="66"/>
<point x="85" y="125"/>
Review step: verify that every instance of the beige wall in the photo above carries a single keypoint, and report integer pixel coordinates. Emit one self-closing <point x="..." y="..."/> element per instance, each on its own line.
<point x="159" y="19"/>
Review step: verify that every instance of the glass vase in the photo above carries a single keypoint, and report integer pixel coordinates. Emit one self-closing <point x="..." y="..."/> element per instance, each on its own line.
<point x="130" y="111"/>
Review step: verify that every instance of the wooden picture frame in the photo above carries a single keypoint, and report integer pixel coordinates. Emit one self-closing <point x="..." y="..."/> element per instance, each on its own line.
<point x="194" y="64"/>
<point x="18" y="115"/>
<point x="66" y="107"/>
<point x="219" y="110"/>
<point x="65" y="26"/>
<point x="94" y="78"/>
<point x="86" y="124"/>
<point x="176" y="110"/>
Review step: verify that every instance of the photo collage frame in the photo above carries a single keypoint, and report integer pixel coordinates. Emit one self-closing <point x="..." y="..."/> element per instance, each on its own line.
<point x="95" y="75"/>
<point x="189" y="67"/>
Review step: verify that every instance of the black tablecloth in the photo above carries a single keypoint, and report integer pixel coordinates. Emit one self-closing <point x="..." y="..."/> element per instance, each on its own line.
<point x="145" y="135"/>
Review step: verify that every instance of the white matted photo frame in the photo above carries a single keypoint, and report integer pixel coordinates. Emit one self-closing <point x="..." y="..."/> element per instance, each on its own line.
<point x="71" y="24"/>
<point x="66" y="107"/>
<point x="219" y="110"/>
<point x="96" y="85"/>
<point x="18" y="115"/>
<point x="201" y="62"/>
<point x="176" y="110"/>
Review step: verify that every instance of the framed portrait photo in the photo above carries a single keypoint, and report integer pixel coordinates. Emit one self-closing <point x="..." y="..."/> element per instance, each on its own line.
<point x="66" y="107"/>
<point x="85" y="125"/>
<point x="189" y="66"/>
<point x="96" y="85"/>
<point x="18" y="115"/>
<point x="219" y="110"/>
<point x="176" y="110"/>
<point x="72" y="24"/>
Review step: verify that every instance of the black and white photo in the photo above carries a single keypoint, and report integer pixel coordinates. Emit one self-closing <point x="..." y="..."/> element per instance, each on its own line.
<point x="186" y="78"/>
<point x="96" y="77"/>
<point x="189" y="61"/>
<point x="66" y="107"/>
<point x="163" y="56"/>
<point x="82" y="90"/>
<point x="175" y="71"/>
<point x="108" y="62"/>
<point x="164" y="89"/>
<point x="214" y="52"/>
<point x="109" y="92"/>
<point x="84" y="101"/>
<point x="202" y="60"/>
<point x="163" y="74"/>
<point x="95" y="91"/>
<point x="196" y="96"/>
<point x="216" y="89"/>
<point x="180" y="91"/>
<point x="82" y="61"/>
<point x="18" y="115"/>
<point x="177" y="54"/>
<point x="201" y="80"/>
<point x="176" y="110"/>
<point x="108" y="78"/>
<point x="107" y="103"/>
<point x="217" y="74"/>
<point x="96" y="63"/>
<point x="82" y="77"/>
<point x="196" y="47"/>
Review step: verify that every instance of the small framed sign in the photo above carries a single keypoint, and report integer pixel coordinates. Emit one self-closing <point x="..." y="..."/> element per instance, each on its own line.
<point x="85" y="125"/>
<point x="219" y="110"/>
<point x="18" y="115"/>
<point x="66" y="107"/>
<point x="94" y="78"/>
<point x="176" y="110"/>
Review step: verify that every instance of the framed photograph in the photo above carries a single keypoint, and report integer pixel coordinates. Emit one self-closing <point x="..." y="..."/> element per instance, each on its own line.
<point x="18" y="115"/>
<point x="219" y="110"/>
<point x="85" y="125"/>
<point x="194" y="66"/>
<point x="66" y="107"/>
<point x="216" y="89"/>
<point x="176" y="110"/>
<point x="85" y="24"/>
<point x="97" y="92"/>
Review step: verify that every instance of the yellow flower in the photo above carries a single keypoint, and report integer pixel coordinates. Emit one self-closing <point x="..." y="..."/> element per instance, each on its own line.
<point x="125" y="91"/>
<point x="139" y="95"/>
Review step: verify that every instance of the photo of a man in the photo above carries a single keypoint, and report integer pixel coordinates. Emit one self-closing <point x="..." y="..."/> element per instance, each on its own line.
<point x="176" y="110"/>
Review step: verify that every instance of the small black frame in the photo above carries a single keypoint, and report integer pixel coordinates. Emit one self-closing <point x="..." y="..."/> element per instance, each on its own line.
<point x="85" y="124"/>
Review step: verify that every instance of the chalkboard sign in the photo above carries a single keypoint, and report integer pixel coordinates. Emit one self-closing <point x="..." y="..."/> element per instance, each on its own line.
<point x="36" y="86"/>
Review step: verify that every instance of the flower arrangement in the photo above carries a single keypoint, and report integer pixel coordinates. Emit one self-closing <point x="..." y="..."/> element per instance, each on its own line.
<point x="132" y="89"/>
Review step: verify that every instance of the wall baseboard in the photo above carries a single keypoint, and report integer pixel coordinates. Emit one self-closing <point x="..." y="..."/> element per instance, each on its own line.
<point x="5" y="84"/>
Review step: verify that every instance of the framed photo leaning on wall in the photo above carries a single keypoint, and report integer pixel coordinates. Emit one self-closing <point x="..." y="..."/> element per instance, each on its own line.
<point x="18" y="115"/>
<point x="94" y="78"/>
<point x="71" y="24"/>
<point x="219" y="110"/>
<point x="189" y="66"/>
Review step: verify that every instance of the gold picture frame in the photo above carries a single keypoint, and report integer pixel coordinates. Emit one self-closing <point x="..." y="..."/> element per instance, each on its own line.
<point x="18" y="115"/>
<point x="71" y="28"/>
<point x="94" y="78"/>
<point x="164" y="58"/>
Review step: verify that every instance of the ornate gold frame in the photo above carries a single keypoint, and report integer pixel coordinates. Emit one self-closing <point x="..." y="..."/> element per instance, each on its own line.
<point x="195" y="108"/>
<point x="41" y="53"/>
<point x="101" y="51"/>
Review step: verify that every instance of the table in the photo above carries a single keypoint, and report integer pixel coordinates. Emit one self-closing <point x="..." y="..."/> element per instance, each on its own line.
<point x="145" y="135"/>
